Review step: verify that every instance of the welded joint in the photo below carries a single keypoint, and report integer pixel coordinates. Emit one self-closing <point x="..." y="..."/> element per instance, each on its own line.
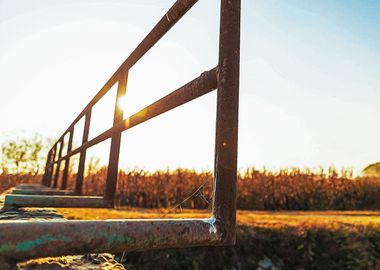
<point x="213" y="227"/>
<point x="227" y="238"/>
<point x="217" y="227"/>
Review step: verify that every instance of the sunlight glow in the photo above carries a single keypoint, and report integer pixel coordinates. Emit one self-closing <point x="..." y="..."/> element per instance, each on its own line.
<point x="304" y="102"/>
<point x="122" y="103"/>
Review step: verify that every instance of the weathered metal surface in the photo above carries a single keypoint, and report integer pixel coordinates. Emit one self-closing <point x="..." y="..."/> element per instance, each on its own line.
<point x="51" y="167"/>
<point x="198" y="87"/>
<point x="49" y="162"/>
<point x="37" y="189"/>
<point x="226" y="141"/>
<point x="24" y="240"/>
<point x="75" y="237"/>
<point x="42" y="192"/>
<point x="82" y="158"/>
<point x="46" y="174"/>
<point x="58" y="170"/>
<point x="78" y="262"/>
<point x="67" y="159"/>
<point x="171" y="17"/>
<point x="113" y="162"/>
<point x="28" y="214"/>
<point x="54" y="201"/>
<point x="30" y="186"/>
<point x="174" y="14"/>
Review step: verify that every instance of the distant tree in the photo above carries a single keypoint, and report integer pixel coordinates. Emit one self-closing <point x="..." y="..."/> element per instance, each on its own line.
<point x="372" y="170"/>
<point x="23" y="155"/>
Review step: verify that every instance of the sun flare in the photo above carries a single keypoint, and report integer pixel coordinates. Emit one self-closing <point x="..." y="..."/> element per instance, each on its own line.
<point x="121" y="103"/>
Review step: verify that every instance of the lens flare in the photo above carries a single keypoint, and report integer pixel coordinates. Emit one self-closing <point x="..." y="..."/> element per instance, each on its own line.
<point x="121" y="103"/>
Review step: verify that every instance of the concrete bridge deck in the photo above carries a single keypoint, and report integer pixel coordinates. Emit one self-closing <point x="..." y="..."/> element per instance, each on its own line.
<point x="104" y="261"/>
<point x="28" y="195"/>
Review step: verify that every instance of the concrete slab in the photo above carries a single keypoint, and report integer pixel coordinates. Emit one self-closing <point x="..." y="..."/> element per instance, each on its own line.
<point x="104" y="261"/>
<point x="14" y="200"/>
<point x="30" y="186"/>
<point x="46" y="191"/>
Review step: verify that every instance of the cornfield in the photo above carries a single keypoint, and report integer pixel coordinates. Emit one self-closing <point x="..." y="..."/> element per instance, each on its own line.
<point x="291" y="189"/>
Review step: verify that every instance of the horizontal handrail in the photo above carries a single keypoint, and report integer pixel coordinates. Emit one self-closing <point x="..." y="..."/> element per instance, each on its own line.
<point x="198" y="87"/>
<point x="174" y="14"/>
<point x="53" y="238"/>
<point x="33" y="239"/>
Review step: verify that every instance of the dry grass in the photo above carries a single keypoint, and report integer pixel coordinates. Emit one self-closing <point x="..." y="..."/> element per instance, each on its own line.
<point x="262" y="219"/>
<point x="290" y="239"/>
<point x="128" y="213"/>
<point x="310" y="219"/>
<point x="286" y="190"/>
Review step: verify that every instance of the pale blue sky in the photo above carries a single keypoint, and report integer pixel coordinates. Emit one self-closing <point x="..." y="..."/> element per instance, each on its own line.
<point x="309" y="78"/>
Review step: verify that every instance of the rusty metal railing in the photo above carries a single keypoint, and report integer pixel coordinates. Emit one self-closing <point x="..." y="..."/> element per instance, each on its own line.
<point x="50" y="238"/>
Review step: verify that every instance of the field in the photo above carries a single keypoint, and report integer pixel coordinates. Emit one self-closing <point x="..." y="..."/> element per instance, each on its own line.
<point x="259" y="219"/>
<point x="284" y="239"/>
<point x="290" y="219"/>
<point x="287" y="189"/>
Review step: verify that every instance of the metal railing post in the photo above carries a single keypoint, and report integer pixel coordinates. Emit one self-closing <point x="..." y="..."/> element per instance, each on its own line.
<point x="225" y="172"/>
<point x="67" y="160"/>
<point x="82" y="158"/>
<point x="113" y="164"/>
<point x="45" y="177"/>
<point x="58" y="164"/>
<point x="81" y="237"/>
<point x="51" y="172"/>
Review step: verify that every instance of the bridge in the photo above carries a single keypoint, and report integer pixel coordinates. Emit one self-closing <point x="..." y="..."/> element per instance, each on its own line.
<point x="22" y="240"/>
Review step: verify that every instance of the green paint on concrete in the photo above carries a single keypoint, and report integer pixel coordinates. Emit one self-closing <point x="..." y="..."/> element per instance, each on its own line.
<point x="31" y="244"/>
<point x="24" y="200"/>
<point x="8" y="200"/>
